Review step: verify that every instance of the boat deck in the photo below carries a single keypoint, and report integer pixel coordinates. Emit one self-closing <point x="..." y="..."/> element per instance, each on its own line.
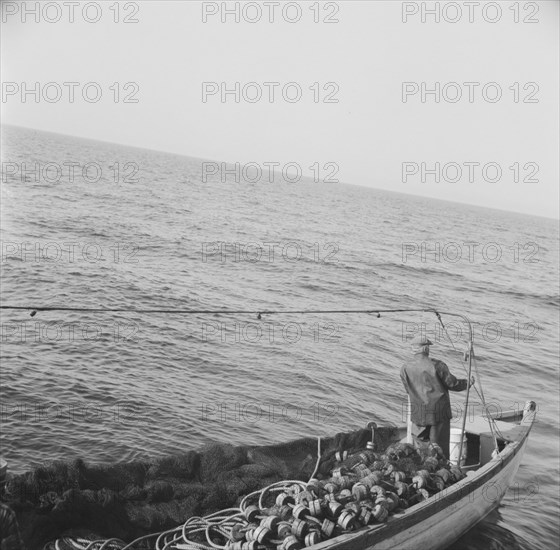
<point x="506" y="431"/>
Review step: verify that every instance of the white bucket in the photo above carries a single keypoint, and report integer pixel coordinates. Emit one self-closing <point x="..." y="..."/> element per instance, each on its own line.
<point x="455" y="444"/>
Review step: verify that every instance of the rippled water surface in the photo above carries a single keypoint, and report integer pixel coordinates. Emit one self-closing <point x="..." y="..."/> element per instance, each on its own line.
<point x="116" y="386"/>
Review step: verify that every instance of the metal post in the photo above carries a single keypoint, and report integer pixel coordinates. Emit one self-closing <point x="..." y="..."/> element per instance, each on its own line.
<point x="408" y="422"/>
<point x="466" y="400"/>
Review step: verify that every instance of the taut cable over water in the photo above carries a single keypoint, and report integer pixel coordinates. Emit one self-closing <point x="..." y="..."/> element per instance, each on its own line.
<point x="259" y="313"/>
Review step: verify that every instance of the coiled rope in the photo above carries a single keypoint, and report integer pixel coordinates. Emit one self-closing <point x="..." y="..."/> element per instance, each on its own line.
<point x="221" y="523"/>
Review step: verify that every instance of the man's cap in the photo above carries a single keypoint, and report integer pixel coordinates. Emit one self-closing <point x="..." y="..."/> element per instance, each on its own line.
<point x="420" y="341"/>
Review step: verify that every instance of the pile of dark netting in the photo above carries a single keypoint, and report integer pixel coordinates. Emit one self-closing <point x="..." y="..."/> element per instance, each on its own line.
<point x="133" y="499"/>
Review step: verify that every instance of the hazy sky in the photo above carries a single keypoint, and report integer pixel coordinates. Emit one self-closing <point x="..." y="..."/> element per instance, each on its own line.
<point x="366" y="56"/>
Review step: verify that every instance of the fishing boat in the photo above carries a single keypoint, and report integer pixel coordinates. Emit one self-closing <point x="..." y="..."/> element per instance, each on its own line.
<point x="439" y="521"/>
<point x="494" y="442"/>
<point x="486" y="455"/>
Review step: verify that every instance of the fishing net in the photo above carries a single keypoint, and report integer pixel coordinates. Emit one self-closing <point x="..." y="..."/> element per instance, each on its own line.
<point x="131" y="500"/>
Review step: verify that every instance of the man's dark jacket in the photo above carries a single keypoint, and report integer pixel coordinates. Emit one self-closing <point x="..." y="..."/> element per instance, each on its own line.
<point x="427" y="382"/>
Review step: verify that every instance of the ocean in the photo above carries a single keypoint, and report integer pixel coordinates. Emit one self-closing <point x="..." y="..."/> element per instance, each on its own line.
<point x="87" y="224"/>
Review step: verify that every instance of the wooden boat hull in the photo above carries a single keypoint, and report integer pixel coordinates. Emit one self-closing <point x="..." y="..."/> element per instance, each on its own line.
<point x="439" y="521"/>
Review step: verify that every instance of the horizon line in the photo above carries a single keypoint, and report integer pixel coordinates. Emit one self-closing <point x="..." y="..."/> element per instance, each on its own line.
<point x="305" y="177"/>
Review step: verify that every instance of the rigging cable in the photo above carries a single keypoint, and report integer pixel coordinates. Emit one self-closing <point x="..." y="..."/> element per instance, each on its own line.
<point x="491" y="422"/>
<point x="259" y="315"/>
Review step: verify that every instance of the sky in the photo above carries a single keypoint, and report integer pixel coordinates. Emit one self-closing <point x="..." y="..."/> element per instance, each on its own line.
<point x="360" y="66"/>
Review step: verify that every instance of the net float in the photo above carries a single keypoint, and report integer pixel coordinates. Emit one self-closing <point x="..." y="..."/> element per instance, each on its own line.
<point x="238" y="545"/>
<point x="419" y="482"/>
<point x="300" y="528"/>
<point x="365" y="516"/>
<point x="300" y="511"/>
<point x="327" y="528"/>
<point x="444" y="474"/>
<point x="251" y="513"/>
<point x="456" y="473"/>
<point x="316" y="507"/>
<point x="338" y="472"/>
<point x="401" y="489"/>
<point x="390" y="468"/>
<point x="377" y="490"/>
<point x="331" y="487"/>
<point x="367" y="456"/>
<point x="305" y="497"/>
<point x="398" y="476"/>
<point x="290" y="543"/>
<point x="364" y="473"/>
<point x="371" y="444"/>
<point x="431" y="464"/>
<point x="346" y="482"/>
<point x="312" y="538"/>
<point x="262" y="534"/>
<point x="346" y="520"/>
<point x="253" y="545"/>
<point x="369" y="481"/>
<point x="359" y="491"/>
<point x="438" y="483"/>
<point x="341" y="456"/>
<point x="382" y="501"/>
<point x="284" y="498"/>
<point x="360" y="467"/>
<point x="353" y="507"/>
<point x="314" y="520"/>
<point x="270" y="523"/>
<point x="380" y="513"/>
<point x="344" y="496"/>
<point x="335" y="509"/>
<point x="284" y="530"/>
<point x="330" y="497"/>
<point x="250" y="535"/>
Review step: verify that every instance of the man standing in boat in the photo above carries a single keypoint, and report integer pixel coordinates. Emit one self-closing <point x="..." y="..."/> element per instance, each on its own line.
<point x="427" y="382"/>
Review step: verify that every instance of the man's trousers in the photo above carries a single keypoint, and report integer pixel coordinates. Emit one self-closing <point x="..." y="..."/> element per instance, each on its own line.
<point x="437" y="433"/>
